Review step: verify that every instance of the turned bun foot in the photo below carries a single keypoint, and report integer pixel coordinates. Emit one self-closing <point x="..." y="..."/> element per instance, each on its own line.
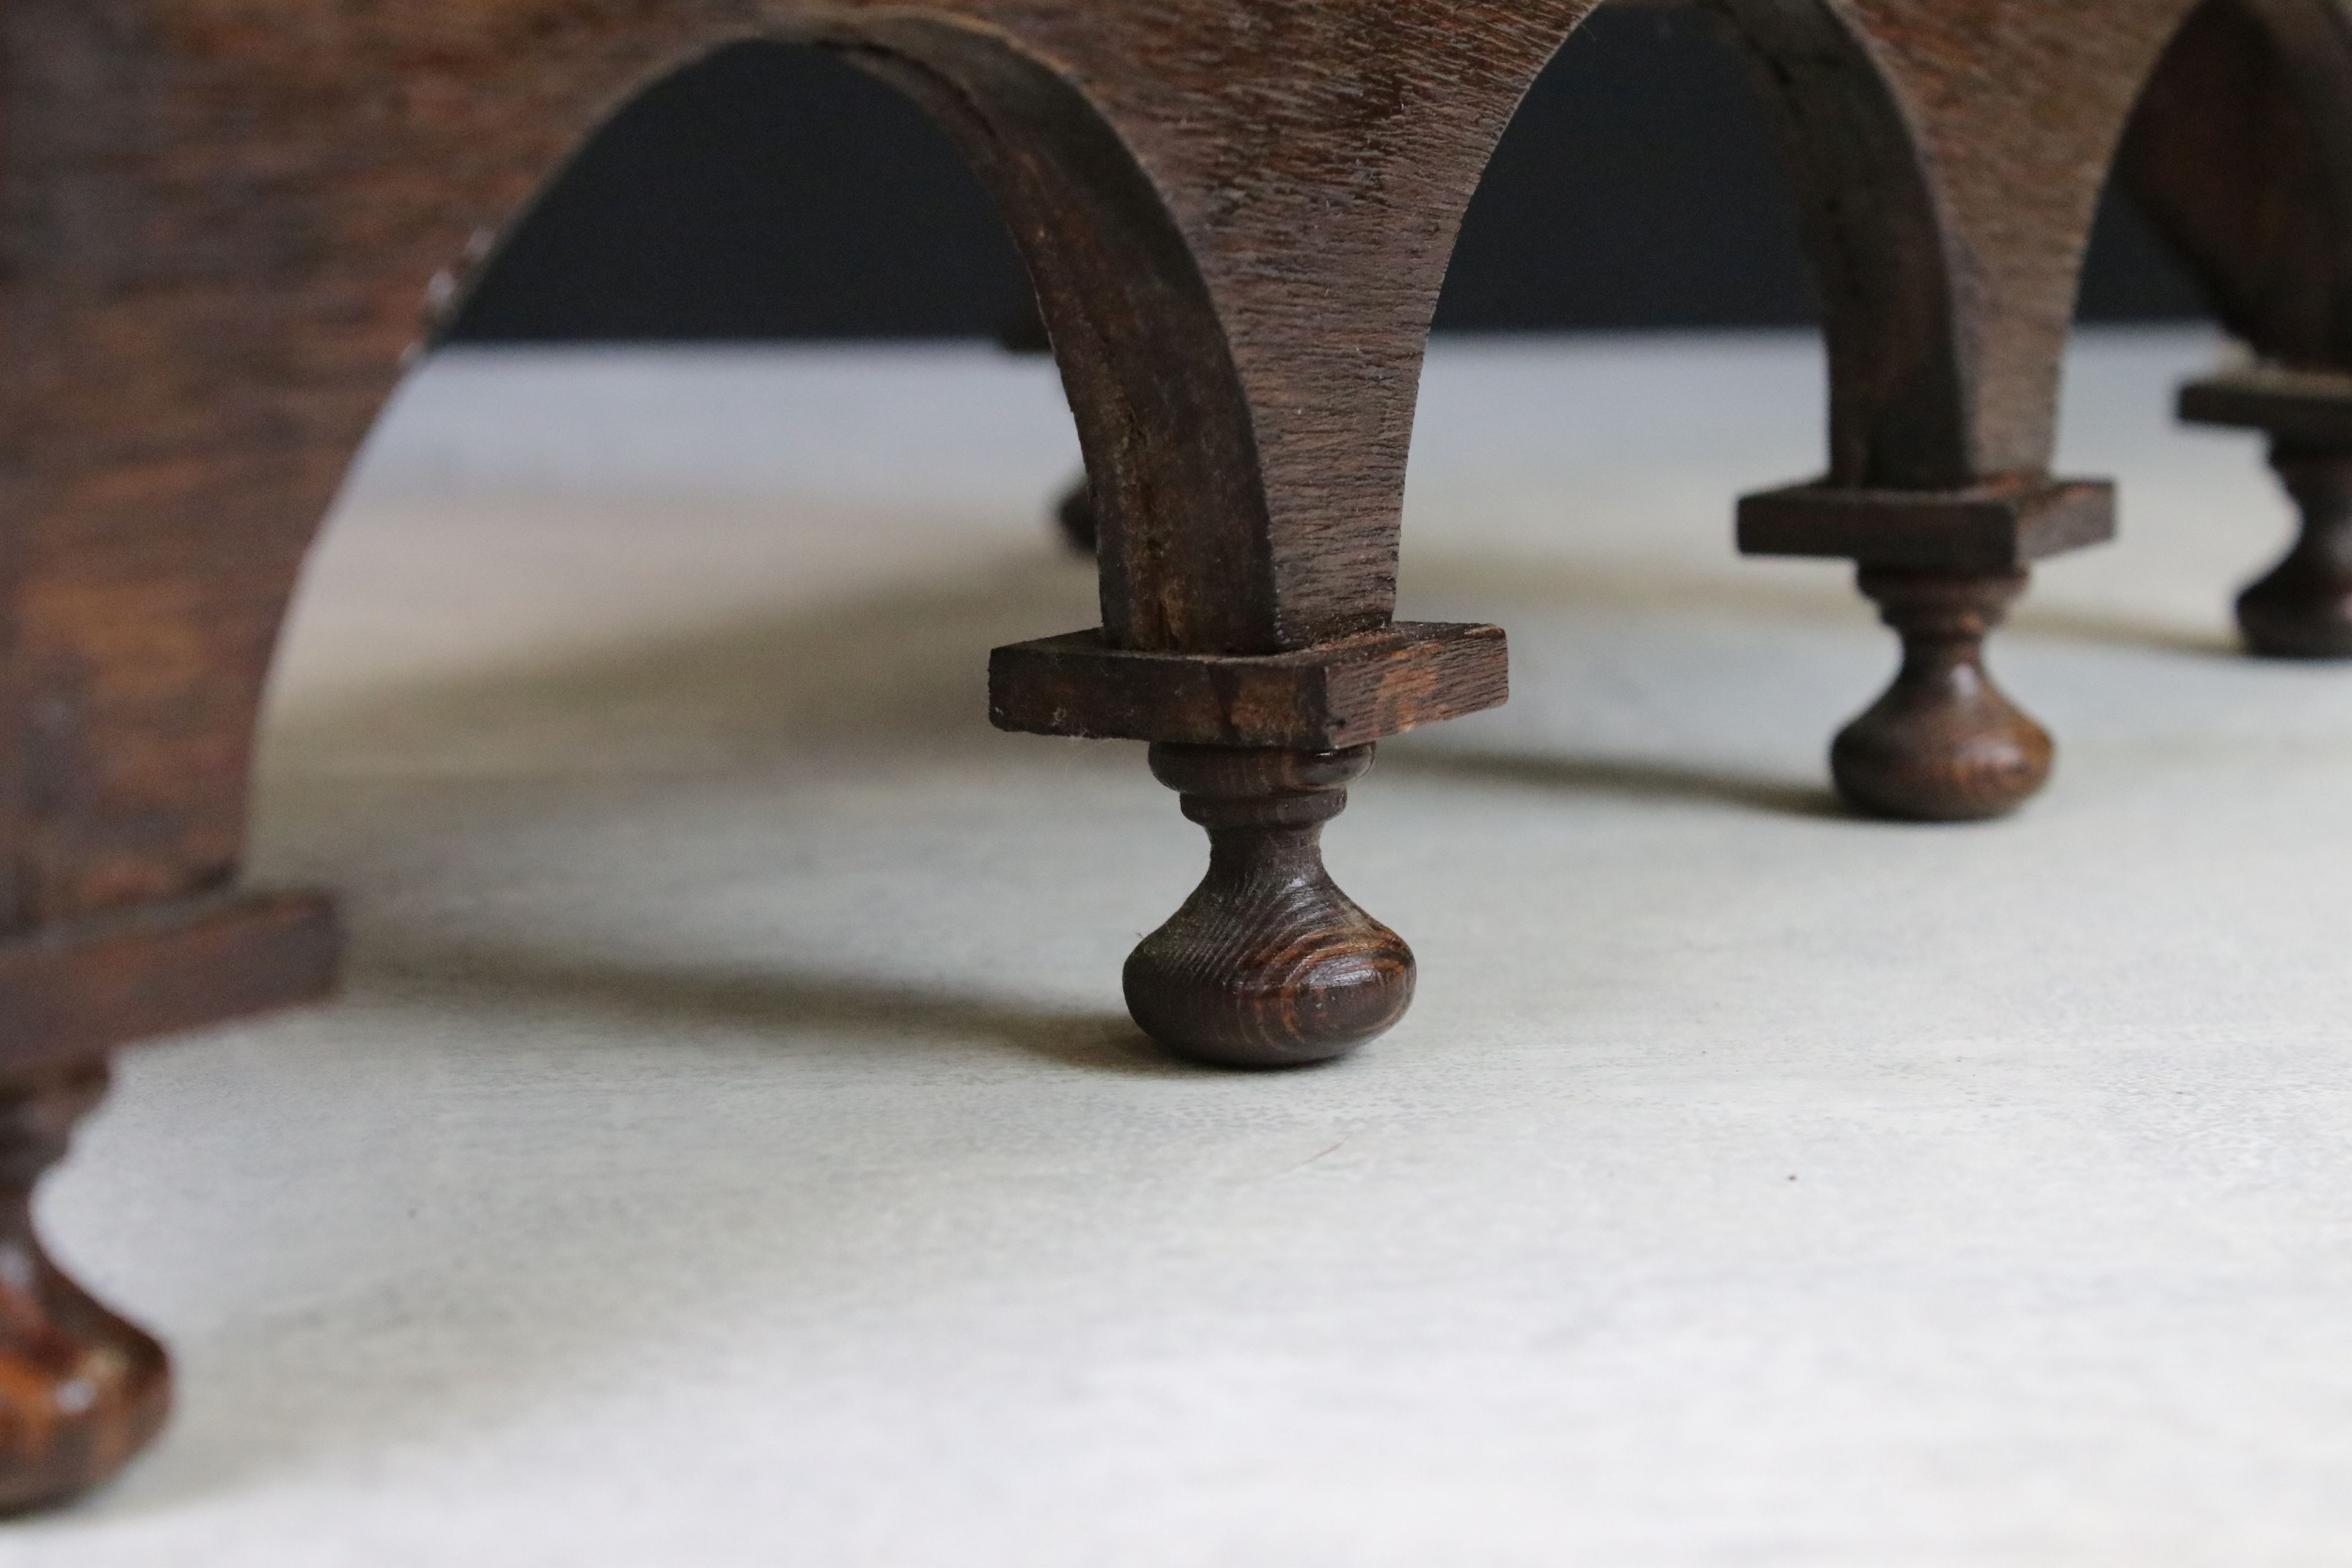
<point x="2303" y="608"/>
<point x="82" y="1391"/>
<point x="1268" y="965"/>
<point x="1944" y="744"/>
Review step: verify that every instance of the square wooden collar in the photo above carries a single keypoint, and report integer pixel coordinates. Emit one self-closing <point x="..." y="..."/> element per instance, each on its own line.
<point x="1328" y="698"/>
<point x="85" y="986"/>
<point x="1992" y="528"/>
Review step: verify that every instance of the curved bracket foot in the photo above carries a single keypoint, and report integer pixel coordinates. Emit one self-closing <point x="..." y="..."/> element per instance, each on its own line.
<point x="82" y="1391"/>
<point x="1268" y="965"/>
<point x="2303" y="608"/>
<point x="1944" y="744"/>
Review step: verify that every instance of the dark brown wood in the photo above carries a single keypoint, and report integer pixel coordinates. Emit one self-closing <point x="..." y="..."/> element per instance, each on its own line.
<point x="234" y="226"/>
<point x="2303" y="608"/>
<point x="81" y="1390"/>
<point x="2000" y="526"/>
<point x="234" y="232"/>
<point x="1948" y="159"/>
<point x="1268" y="965"/>
<point x="2242" y="151"/>
<point x="2309" y="407"/>
<point x="1944" y="744"/>
<point x="74" y="989"/>
<point x="1342" y="694"/>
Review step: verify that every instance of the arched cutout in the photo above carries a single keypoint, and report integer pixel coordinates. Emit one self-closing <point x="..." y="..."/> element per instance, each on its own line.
<point x="770" y="193"/>
<point x="2241" y="151"/>
<point x="261" y="356"/>
<point x="2242" y="147"/>
<point x="1639" y="187"/>
<point x="1942" y="167"/>
<point x="1185" y="556"/>
<point x="1943" y="336"/>
<point x="1875" y="241"/>
<point x="1952" y="167"/>
<point x="1950" y="163"/>
<point x="1898" y="381"/>
<point x="1234" y="219"/>
<point x="1161" y="416"/>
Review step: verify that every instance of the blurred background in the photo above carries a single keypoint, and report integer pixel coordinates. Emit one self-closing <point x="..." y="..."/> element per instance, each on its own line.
<point x="774" y="193"/>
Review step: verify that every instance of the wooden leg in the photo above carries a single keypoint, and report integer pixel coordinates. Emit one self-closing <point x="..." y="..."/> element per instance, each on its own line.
<point x="1268" y="965"/>
<point x="1944" y="744"/>
<point x="2303" y="608"/>
<point x="82" y="1391"/>
<point x="1947" y="169"/>
<point x="1236" y="244"/>
<point x="2236" y="154"/>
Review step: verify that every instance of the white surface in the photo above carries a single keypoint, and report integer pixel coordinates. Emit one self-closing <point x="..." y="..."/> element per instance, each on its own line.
<point x="732" y="1151"/>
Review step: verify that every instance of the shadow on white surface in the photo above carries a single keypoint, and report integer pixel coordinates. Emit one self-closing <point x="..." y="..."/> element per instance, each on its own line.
<point x="731" y="1150"/>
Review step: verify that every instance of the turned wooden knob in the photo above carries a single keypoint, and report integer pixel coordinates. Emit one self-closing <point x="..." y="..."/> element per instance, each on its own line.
<point x="2303" y="608"/>
<point x="82" y="1391"/>
<point x="1944" y="744"/>
<point x="1268" y="965"/>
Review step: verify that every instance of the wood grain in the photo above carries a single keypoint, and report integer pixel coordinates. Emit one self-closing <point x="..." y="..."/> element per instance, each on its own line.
<point x="233" y="225"/>
<point x="1949" y="158"/>
<point x="2000" y="526"/>
<point x="1342" y="694"/>
<point x="1268" y="965"/>
<point x="1944" y="744"/>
